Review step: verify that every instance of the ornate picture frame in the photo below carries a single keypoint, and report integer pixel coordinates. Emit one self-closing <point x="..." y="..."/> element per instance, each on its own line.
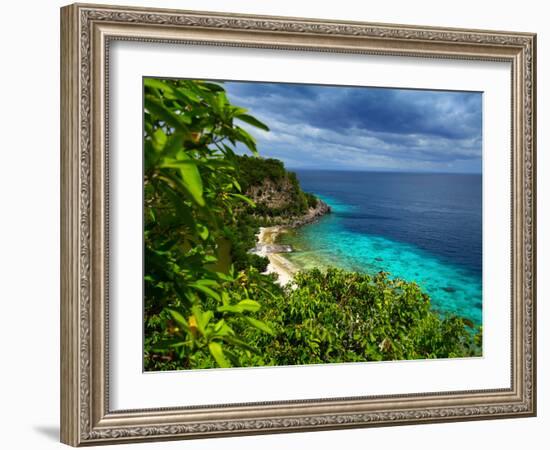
<point x="87" y="31"/>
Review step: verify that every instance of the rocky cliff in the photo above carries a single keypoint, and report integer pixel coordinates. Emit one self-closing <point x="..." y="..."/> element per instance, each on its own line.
<point x="277" y="193"/>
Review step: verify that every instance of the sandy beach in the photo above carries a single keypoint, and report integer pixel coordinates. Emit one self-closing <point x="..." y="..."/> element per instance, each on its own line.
<point x="266" y="246"/>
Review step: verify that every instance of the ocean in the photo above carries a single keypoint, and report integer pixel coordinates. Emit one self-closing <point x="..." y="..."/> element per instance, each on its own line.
<point x="419" y="227"/>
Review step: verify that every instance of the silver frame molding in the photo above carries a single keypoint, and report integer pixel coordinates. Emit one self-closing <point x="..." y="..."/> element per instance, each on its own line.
<point x="86" y="32"/>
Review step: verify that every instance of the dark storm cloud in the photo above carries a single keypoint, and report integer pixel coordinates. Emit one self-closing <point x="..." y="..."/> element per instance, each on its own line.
<point x="365" y="128"/>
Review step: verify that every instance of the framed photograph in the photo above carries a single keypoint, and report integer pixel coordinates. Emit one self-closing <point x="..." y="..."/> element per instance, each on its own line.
<point x="278" y="224"/>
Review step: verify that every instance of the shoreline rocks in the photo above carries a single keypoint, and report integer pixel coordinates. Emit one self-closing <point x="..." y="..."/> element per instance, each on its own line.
<point x="312" y="215"/>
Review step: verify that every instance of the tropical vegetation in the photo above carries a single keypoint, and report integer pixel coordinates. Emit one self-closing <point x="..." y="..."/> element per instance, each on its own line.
<point x="207" y="302"/>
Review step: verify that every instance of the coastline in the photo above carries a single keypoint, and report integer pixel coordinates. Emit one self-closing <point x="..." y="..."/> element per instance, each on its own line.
<point x="266" y="243"/>
<point x="278" y="264"/>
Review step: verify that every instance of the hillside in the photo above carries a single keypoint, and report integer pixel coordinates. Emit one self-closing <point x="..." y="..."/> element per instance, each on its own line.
<point x="276" y="191"/>
<point x="278" y="200"/>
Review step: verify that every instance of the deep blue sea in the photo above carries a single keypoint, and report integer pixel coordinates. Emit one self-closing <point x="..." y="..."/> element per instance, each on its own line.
<point x="425" y="228"/>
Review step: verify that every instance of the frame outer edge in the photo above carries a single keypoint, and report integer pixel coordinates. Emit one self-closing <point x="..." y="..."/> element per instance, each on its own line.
<point x="81" y="413"/>
<point x="533" y="136"/>
<point x="70" y="299"/>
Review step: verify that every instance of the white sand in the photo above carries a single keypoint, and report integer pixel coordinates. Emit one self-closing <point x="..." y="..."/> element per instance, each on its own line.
<point x="277" y="263"/>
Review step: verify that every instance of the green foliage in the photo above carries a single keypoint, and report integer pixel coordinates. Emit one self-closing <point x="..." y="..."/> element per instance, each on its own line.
<point x="193" y="298"/>
<point x="254" y="171"/>
<point x="207" y="303"/>
<point x="311" y="200"/>
<point x="242" y="237"/>
<point x="338" y="316"/>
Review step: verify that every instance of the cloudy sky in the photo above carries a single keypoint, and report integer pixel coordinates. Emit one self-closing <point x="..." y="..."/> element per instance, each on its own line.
<point x="357" y="128"/>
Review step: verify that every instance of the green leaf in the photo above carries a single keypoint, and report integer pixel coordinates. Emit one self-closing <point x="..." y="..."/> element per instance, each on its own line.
<point x="230" y="308"/>
<point x="239" y="343"/>
<point x="224" y="276"/>
<point x="171" y="92"/>
<point x="237" y="185"/>
<point x="220" y="100"/>
<point x="249" y="305"/>
<point x="159" y="140"/>
<point x="190" y="176"/>
<point x="168" y="344"/>
<point x="157" y="84"/>
<point x="150" y="156"/>
<point x="259" y="325"/>
<point x="244" y="198"/>
<point x="208" y="281"/>
<point x="157" y="108"/>
<point x="219" y="325"/>
<point x="203" y="231"/>
<point x="203" y="318"/>
<point x="183" y="210"/>
<point x="212" y="86"/>
<point x="187" y="95"/>
<point x="206" y="290"/>
<point x="222" y="330"/>
<point x="174" y="144"/>
<point x="242" y="135"/>
<point x="178" y="318"/>
<point x="216" y="351"/>
<point x="252" y="121"/>
<point x="228" y="150"/>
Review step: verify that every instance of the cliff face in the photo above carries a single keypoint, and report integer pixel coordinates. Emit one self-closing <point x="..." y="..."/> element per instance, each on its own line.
<point x="277" y="193"/>
<point x="285" y="204"/>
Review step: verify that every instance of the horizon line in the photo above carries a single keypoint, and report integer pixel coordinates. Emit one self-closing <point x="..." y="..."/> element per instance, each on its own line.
<point x="425" y="172"/>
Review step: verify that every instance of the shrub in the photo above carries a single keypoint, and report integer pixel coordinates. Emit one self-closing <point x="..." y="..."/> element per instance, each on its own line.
<point x="337" y="316"/>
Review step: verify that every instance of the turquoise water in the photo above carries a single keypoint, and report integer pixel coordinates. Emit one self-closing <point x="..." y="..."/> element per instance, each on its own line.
<point x="453" y="287"/>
